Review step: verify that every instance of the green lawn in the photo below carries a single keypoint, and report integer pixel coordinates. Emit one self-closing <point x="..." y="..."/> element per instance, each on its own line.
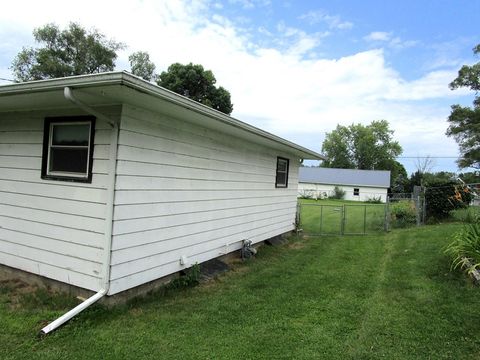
<point x="388" y="296"/>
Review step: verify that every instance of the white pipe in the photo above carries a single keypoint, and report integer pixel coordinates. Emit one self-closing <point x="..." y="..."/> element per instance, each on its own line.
<point x="108" y="218"/>
<point x="67" y="316"/>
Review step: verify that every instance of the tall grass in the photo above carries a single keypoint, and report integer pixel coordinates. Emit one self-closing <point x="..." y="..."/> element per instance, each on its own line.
<point x="465" y="248"/>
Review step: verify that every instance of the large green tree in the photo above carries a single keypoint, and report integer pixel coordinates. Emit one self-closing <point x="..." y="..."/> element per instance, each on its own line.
<point x="361" y="146"/>
<point x="465" y="121"/>
<point x="367" y="147"/>
<point x="73" y="51"/>
<point x="196" y="83"/>
<point x="141" y="65"/>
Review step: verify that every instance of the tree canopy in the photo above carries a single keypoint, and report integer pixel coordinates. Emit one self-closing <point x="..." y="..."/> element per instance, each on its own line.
<point x="369" y="147"/>
<point x="361" y="147"/>
<point x="141" y="65"/>
<point x="465" y="121"/>
<point x="196" y="83"/>
<point x="73" y="51"/>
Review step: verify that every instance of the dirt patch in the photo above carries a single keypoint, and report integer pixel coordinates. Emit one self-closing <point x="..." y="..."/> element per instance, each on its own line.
<point x="296" y="245"/>
<point x="17" y="290"/>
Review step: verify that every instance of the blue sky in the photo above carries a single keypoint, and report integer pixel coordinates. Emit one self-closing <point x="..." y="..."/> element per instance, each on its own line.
<point x="296" y="68"/>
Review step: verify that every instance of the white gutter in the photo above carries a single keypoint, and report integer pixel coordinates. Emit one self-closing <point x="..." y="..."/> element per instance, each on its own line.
<point x="108" y="219"/>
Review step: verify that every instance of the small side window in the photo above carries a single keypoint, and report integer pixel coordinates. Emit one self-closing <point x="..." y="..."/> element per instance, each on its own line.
<point x="356" y="191"/>
<point x="68" y="148"/>
<point x="282" y="173"/>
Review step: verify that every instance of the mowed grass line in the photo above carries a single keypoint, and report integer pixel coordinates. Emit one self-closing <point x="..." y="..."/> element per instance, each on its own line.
<point x="382" y="296"/>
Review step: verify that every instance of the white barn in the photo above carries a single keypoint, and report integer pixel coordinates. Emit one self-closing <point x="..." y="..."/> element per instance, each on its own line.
<point x="108" y="182"/>
<point x="359" y="185"/>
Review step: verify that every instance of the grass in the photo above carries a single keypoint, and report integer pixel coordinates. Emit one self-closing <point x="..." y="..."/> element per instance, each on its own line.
<point x="388" y="296"/>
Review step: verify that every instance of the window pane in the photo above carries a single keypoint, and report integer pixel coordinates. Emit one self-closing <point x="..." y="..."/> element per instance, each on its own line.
<point x="69" y="160"/>
<point x="71" y="135"/>
<point x="281" y="178"/>
<point x="282" y="165"/>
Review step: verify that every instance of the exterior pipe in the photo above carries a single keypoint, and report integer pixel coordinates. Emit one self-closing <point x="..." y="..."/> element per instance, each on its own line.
<point x="68" y="93"/>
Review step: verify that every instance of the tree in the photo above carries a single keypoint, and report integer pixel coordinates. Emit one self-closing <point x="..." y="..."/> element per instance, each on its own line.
<point x="141" y="65"/>
<point x="361" y="147"/>
<point x="74" y="51"/>
<point x="465" y="121"/>
<point x="424" y="164"/>
<point x="197" y="84"/>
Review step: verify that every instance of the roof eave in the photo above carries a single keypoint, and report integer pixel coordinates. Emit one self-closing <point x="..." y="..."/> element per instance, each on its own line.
<point x="136" y="83"/>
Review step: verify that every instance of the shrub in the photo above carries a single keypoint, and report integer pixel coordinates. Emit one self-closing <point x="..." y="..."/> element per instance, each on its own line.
<point x="403" y="213"/>
<point x="307" y="194"/>
<point x="443" y="197"/>
<point x="465" y="248"/>
<point x="338" y="193"/>
<point x="374" y="200"/>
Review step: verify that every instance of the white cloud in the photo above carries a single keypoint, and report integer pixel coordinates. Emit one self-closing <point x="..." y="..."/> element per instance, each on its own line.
<point x="332" y="21"/>
<point x="387" y="38"/>
<point x="378" y="36"/>
<point x="276" y="88"/>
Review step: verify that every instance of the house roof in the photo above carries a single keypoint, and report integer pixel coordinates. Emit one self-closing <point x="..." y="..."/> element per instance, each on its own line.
<point x="114" y="88"/>
<point x="352" y="177"/>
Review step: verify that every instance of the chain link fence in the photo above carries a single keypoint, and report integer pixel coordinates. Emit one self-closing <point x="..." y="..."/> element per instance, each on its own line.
<point x="325" y="217"/>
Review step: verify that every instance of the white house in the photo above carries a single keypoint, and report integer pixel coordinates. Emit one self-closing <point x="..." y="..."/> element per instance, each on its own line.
<point x="108" y="182"/>
<point x="359" y="185"/>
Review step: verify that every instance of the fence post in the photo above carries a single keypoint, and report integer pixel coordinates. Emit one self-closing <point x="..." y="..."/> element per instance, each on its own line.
<point x="364" y="219"/>
<point x="297" y="217"/>
<point x="386" y="222"/>
<point x="342" y="221"/>
<point x="321" y="218"/>
<point x="417" y="207"/>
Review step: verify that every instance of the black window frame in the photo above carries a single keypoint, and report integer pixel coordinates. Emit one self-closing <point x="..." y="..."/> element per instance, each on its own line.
<point x="48" y="122"/>
<point x="356" y="191"/>
<point x="277" y="185"/>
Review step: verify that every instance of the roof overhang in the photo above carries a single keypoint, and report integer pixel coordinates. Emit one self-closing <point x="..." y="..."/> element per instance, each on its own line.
<point x="116" y="88"/>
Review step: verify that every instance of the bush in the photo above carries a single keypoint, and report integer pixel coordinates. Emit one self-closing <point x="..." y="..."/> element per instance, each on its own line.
<point x="307" y="194"/>
<point x="444" y="197"/>
<point x="338" y="193"/>
<point x="465" y="248"/>
<point x="374" y="200"/>
<point x="403" y="213"/>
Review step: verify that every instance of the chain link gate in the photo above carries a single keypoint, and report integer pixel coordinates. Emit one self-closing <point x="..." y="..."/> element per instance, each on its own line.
<point x="317" y="218"/>
<point x="343" y="219"/>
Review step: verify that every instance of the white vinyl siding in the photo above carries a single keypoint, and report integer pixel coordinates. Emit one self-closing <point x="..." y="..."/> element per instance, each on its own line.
<point x="186" y="190"/>
<point x="324" y="190"/>
<point x="48" y="227"/>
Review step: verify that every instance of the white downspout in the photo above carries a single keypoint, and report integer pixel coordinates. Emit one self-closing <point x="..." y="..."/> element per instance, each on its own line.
<point x="108" y="218"/>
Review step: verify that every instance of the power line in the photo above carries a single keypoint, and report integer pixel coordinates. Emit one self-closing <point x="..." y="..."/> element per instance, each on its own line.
<point x="6" y="79"/>
<point x="427" y="157"/>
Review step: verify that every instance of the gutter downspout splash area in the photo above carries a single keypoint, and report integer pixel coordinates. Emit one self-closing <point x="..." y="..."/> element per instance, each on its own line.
<point x="68" y="93"/>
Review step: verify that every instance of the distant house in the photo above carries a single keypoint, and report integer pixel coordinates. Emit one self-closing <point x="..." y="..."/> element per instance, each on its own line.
<point x="360" y="185"/>
<point x="108" y="182"/>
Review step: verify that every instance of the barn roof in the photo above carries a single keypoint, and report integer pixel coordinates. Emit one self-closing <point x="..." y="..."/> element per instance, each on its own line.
<point x="113" y="88"/>
<point x="353" y="177"/>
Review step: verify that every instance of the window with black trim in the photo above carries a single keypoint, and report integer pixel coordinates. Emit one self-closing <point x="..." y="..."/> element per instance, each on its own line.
<point x="282" y="173"/>
<point x="68" y="148"/>
<point x="356" y="191"/>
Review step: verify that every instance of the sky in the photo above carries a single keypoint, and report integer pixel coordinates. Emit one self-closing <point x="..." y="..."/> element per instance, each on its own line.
<point x="295" y="68"/>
